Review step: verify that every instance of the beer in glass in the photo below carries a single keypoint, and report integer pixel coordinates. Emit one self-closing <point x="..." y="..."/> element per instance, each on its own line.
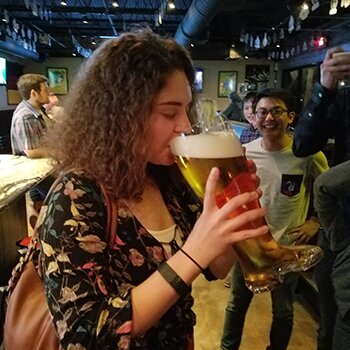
<point x="263" y="260"/>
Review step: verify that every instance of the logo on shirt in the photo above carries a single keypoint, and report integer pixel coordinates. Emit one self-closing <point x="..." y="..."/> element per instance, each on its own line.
<point x="291" y="184"/>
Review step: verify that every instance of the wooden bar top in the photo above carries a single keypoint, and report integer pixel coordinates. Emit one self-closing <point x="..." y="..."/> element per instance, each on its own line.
<point x="18" y="174"/>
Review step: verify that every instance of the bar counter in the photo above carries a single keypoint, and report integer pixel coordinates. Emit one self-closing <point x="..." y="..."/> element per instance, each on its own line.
<point x="17" y="175"/>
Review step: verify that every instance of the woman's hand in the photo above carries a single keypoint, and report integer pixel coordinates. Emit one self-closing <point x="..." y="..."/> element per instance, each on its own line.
<point x="214" y="232"/>
<point x="211" y="239"/>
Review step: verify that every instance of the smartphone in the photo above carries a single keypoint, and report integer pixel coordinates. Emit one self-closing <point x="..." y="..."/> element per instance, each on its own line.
<point x="337" y="54"/>
<point x="344" y="82"/>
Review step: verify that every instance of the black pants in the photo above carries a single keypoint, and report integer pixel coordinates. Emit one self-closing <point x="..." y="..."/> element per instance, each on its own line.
<point x="327" y="305"/>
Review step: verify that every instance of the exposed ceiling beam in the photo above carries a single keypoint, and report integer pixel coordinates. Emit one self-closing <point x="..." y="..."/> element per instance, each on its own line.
<point x="78" y="21"/>
<point x="84" y="10"/>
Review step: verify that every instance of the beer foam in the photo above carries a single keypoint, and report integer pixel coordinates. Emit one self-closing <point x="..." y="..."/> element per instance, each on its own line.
<point x="210" y="145"/>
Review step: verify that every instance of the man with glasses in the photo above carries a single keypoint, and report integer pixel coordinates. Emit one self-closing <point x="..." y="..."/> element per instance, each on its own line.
<point x="286" y="183"/>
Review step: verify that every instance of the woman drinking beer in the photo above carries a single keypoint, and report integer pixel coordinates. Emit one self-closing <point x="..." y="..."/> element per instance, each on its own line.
<point x="131" y="98"/>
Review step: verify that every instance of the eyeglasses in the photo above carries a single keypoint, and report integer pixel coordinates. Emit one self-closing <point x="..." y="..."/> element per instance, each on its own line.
<point x="276" y="112"/>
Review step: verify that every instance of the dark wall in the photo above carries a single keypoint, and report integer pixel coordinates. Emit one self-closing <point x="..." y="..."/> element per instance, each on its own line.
<point x="5" y="126"/>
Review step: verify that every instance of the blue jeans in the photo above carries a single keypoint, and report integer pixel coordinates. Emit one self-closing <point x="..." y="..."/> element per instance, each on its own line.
<point x="39" y="192"/>
<point x="282" y="309"/>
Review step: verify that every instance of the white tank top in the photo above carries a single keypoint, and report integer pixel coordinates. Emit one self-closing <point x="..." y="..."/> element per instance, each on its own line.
<point x="165" y="237"/>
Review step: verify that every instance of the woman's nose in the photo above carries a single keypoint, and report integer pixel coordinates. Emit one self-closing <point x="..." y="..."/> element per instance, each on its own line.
<point x="183" y="124"/>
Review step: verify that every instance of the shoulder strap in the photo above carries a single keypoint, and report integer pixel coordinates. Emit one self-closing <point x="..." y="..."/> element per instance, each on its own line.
<point x="112" y="217"/>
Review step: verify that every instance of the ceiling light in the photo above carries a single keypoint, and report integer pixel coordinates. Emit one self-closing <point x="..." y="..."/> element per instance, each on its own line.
<point x="305" y="6"/>
<point x="320" y="41"/>
<point x="74" y="54"/>
<point x="64" y="3"/>
<point x="246" y="57"/>
<point x="171" y="5"/>
<point x="93" y="42"/>
<point x="192" y="45"/>
<point x="115" y="4"/>
<point x="233" y="54"/>
<point x="107" y="36"/>
<point x="85" y="19"/>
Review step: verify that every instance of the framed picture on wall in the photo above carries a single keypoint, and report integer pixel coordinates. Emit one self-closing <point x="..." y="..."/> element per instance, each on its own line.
<point x="58" y="80"/>
<point x="227" y="83"/>
<point x="257" y="73"/>
<point x="14" y="71"/>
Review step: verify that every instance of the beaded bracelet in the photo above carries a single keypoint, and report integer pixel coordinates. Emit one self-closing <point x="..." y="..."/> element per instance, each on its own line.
<point x="174" y="279"/>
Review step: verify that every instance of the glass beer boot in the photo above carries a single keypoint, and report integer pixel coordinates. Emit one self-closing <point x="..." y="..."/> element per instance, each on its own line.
<point x="263" y="260"/>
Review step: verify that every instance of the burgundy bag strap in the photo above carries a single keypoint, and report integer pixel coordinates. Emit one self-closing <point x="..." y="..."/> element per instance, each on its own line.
<point x="112" y="217"/>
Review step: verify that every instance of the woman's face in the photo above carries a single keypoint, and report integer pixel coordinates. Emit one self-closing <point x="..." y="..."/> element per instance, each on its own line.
<point x="169" y="117"/>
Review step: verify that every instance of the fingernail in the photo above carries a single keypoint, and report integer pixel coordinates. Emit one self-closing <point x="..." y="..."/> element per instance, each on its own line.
<point x="214" y="171"/>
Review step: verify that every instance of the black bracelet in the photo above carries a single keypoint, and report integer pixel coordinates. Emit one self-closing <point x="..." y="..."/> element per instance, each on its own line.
<point x="209" y="276"/>
<point x="194" y="261"/>
<point x="174" y="279"/>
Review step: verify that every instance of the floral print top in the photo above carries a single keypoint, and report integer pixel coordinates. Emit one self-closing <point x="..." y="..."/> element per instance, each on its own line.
<point x="88" y="283"/>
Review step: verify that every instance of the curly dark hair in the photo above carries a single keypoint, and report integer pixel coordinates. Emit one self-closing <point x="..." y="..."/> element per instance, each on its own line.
<point x="107" y="114"/>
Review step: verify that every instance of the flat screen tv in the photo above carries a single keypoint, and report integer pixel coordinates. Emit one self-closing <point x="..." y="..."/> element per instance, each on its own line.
<point x="198" y="83"/>
<point x="2" y="71"/>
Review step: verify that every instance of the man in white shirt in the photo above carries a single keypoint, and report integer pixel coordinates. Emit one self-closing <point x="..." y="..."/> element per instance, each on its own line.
<point x="286" y="183"/>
